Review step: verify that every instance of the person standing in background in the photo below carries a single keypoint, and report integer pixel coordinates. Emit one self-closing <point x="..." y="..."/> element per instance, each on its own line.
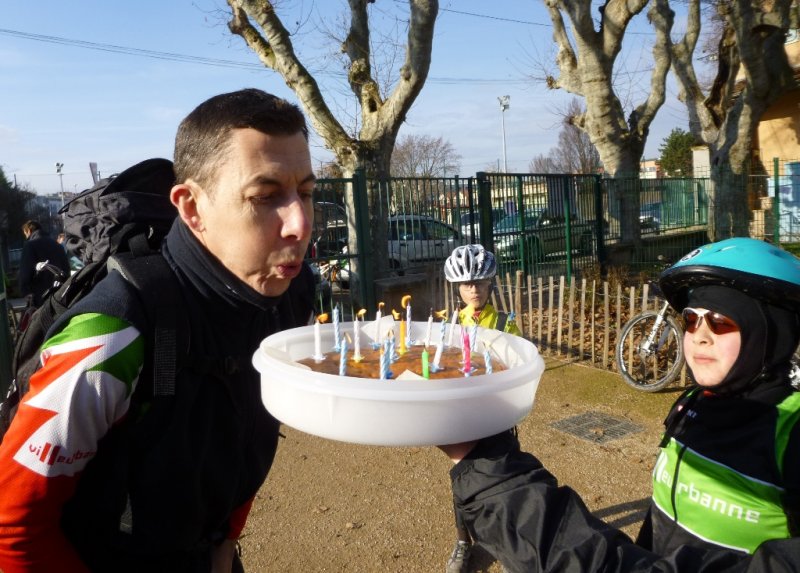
<point x="40" y="248"/>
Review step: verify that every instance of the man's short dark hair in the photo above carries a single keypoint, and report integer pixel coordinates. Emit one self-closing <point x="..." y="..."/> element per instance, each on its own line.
<point x="31" y="226"/>
<point x="204" y="135"/>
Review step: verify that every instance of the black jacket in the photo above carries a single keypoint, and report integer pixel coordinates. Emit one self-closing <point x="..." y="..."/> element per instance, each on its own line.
<point x="38" y="248"/>
<point x="521" y="515"/>
<point x="738" y="432"/>
<point x="161" y="490"/>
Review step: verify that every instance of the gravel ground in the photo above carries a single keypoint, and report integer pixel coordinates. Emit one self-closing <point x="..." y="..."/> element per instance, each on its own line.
<point x="331" y="506"/>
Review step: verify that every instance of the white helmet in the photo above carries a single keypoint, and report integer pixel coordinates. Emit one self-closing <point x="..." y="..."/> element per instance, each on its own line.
<point x="469" y="263"/>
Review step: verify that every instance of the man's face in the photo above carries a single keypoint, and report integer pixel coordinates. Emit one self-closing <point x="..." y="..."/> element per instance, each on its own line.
<point x="257" y="219"/>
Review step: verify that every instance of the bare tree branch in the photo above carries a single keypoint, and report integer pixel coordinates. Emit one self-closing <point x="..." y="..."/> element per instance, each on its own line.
<point x="277" y="53"/>
<point x="727" y="117"/>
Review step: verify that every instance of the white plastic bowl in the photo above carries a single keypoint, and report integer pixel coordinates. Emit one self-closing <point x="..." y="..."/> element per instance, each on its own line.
<point x="396" y="412"/>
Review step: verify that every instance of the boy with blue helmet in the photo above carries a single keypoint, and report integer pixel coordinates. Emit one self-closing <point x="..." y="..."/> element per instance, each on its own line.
<point x="734" y="437"/>
<point x="726" y="485"/>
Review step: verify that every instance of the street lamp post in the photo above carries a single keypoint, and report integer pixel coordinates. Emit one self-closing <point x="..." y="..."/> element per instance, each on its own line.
<point x="59" y="167"/>
<point x="505" y="103"/>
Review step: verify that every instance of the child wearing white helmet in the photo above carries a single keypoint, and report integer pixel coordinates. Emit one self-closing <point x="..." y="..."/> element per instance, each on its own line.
<point x="471" y="268"/>
<point x="726" y="485"/>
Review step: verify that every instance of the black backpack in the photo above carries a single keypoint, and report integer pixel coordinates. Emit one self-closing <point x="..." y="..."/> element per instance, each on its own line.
<point x="117" y="224"/>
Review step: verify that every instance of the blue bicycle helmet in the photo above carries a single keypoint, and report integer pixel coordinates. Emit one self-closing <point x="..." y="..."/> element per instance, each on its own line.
<point x="758" y="269"/>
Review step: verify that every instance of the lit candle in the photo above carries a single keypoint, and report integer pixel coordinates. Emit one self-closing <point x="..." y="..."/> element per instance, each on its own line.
<point x="452" y="327"/>
<point x="437" y="357"/>
<point x="428" y="331"/>
<point x="376" y="344"/>
<point x="357" y="357"/>
<point x="378" y="315"/>
<point x="343" y="358"/>
<point x="317" y="343"/>
<point x="425" y="366"/>
<point x="318" y="355"/>
<point x="336" y="334"/>
<point x="399" y="316"/>
<point x="467" y="356"/>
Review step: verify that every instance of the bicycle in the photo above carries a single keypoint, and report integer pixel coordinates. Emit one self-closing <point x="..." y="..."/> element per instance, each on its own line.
<point x="649" y="350"/>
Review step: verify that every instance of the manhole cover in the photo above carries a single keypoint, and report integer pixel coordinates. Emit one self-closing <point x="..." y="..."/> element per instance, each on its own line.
<point x="596" y="427"/>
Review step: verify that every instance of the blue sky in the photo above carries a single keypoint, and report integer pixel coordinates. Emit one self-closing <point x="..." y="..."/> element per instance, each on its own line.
<point x="65" y="103"/>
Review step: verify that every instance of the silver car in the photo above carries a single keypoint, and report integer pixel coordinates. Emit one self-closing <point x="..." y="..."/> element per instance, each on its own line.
<point x="418" y="238"/>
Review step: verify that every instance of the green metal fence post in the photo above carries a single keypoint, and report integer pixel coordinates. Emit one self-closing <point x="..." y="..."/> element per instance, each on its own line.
<point x="522" y="238"/>
<point x="566" y="187"/>
<point x="485" y="210"/>
<point x="776" y="210"/>
<point x="363" y="239"/>
<point x="599" y="220"/>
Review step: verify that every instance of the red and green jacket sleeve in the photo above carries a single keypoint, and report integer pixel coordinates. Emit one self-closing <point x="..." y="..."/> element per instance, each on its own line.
<point x="83" y="388"/>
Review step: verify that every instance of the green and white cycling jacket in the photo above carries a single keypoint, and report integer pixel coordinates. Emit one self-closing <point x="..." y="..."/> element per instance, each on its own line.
<point x="720" y="504"/>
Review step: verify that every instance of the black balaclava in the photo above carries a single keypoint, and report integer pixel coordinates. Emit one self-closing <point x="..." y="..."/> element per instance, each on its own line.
<point x="769" y="336"/>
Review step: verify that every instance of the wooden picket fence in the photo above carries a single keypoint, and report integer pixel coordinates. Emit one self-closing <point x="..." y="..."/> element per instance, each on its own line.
<point x="578" y="321"/>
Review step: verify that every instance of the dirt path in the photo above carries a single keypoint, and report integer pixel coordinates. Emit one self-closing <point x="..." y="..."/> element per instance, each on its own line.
<point x="330" y="506"/>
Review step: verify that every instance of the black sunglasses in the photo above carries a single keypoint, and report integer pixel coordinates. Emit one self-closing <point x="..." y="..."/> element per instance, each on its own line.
<point x="717" y="323"/>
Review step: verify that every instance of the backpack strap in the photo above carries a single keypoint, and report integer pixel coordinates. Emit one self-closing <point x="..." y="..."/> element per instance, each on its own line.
<point x="160" y="293"/>
<point x="502" y="319"/>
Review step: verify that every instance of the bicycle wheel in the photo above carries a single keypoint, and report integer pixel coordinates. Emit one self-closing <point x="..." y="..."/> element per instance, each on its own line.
<point x="650" y="371"/>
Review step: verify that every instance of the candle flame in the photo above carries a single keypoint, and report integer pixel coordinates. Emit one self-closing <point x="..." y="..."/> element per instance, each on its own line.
<point x="323" y="317"/>
<point x="396" y="314"/>
<point x="361" y="313"/>
<point x="405" y="301"/>
<point x="441" y="314"/>
<point x="381" y="305"/>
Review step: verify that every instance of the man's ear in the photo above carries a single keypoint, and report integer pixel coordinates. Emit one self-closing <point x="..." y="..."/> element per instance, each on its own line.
<point x="185" y="198"/>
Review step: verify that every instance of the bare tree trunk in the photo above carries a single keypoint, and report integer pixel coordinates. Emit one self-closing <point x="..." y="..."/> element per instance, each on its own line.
<point x="727" y="117"/>
<point x="257" y="22"/>
<point x="586" y="60"/>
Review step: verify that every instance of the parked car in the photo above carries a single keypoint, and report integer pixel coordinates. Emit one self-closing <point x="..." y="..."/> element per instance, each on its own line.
<point x="417" y="238"/>
<point x="544" y="235"/>
<point x="411" y="239"/>
<point x="471" y="220"/>
<point x="650" y="218"/>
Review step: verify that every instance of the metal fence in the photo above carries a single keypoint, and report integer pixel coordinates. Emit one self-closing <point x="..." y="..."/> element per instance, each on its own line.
<point x="779" y="209"/>
<point x="542" y="225"/>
